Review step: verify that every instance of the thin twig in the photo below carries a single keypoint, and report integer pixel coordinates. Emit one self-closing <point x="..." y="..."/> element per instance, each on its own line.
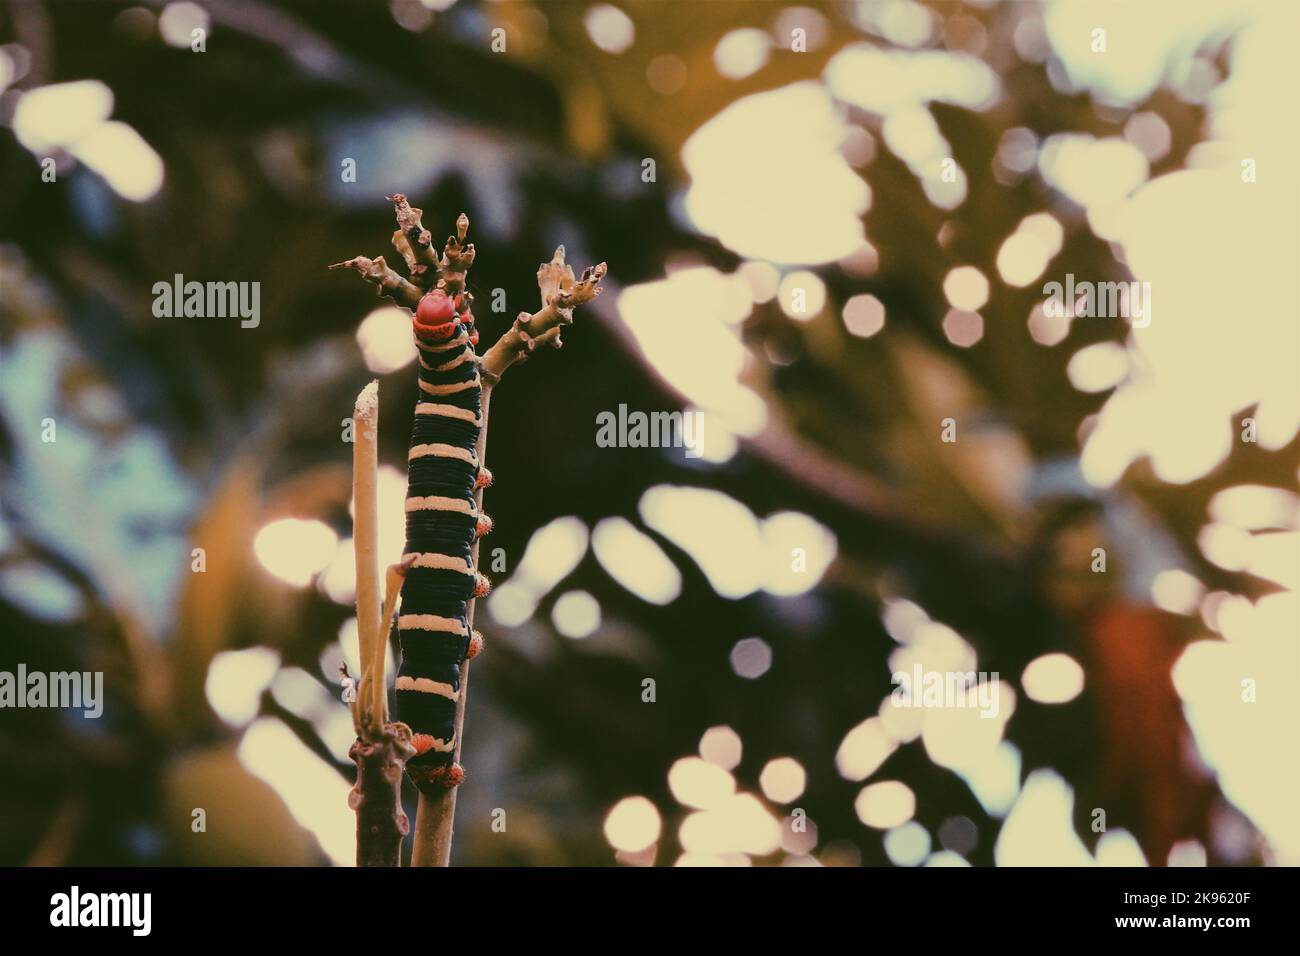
<point x="365" y="537"/>
<point x="381" y="748"/>
<point x="560" y="295"/>
<point x="386" y="281"/>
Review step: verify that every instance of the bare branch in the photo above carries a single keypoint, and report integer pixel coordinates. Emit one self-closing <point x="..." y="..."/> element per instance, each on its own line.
<point x="365" y="535"/>
<point x="414" y="242"/>
<point x="457" y="257"/>
<point x="376" y="797"/>
<point x="381" y="748"/>
<point x="387" y="282"/>
<point x="560" y="295"/>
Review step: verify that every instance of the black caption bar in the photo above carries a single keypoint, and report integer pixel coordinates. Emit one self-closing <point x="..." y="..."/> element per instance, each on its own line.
<point x="271" y="905"/>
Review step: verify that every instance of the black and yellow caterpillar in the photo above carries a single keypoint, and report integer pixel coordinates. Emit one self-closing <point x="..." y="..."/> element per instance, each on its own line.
<point x="442" y="523"/>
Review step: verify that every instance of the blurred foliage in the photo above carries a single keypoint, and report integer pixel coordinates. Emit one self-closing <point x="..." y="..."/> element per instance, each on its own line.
<point x="541" y="146"/>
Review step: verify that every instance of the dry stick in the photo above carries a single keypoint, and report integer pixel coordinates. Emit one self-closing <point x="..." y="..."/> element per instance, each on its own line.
<point x="381" y="748"/>
<point x="365" y="537"/>
<point x="386" y="281"/>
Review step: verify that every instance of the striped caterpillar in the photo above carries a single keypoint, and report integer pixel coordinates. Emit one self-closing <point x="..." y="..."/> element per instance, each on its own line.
<point x="445" y="480"/>
<point x="444" y="472"/>
<point x="442" y="523"/>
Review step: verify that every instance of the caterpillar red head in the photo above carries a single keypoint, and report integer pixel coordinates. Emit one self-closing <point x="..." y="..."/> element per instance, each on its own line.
<point x="435" y="317"/>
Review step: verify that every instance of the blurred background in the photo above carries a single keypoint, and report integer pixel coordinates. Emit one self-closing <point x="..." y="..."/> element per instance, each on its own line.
<point x="828" y="227"/>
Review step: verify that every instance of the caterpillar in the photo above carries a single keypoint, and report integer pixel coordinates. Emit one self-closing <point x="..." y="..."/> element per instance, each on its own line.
<point x="442" y="523"/>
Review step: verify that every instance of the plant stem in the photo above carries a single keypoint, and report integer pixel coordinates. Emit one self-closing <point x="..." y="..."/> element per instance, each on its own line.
<point x="377" y="795"/>
<point x="365" y="536"/>
<point x="381" y="748"/>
